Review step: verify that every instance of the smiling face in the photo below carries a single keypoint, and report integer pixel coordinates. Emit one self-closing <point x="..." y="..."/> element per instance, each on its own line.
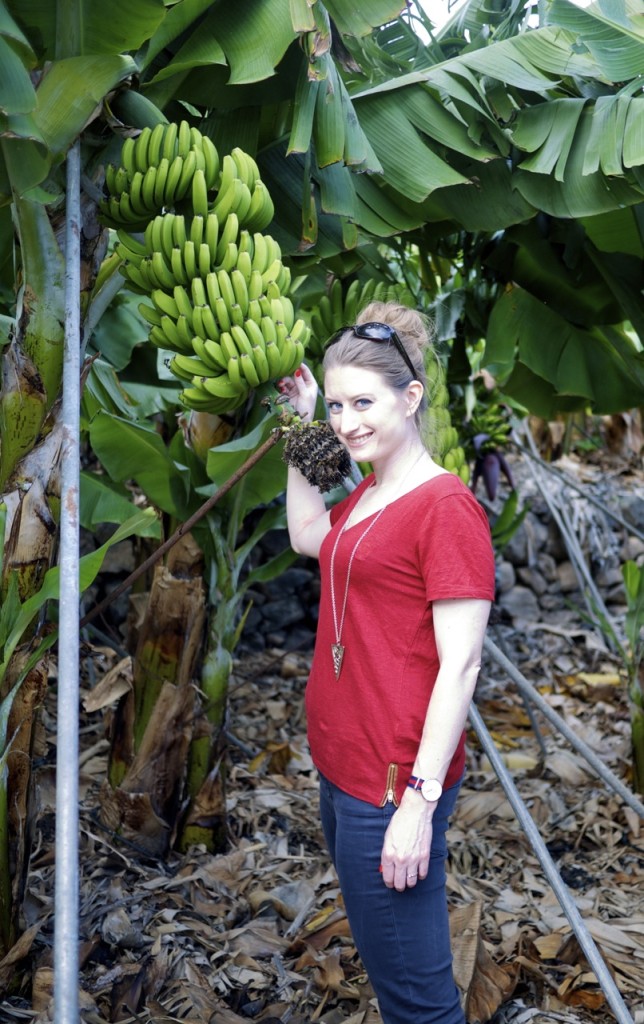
<point x="374" y="421"/>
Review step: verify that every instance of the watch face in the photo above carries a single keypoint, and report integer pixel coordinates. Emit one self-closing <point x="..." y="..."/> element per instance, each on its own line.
<point x="431" y="789"/>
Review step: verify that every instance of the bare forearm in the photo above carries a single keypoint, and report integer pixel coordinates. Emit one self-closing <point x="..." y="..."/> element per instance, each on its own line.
<point x="306" y="514"/>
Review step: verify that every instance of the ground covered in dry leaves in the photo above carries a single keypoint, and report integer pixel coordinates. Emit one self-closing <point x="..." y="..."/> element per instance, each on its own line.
<point x="259" y="933"/>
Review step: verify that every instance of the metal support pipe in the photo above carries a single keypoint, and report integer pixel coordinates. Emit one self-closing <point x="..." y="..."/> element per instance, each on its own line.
<point x="66" y="960"/>
<point x="528" y="690"/>
<point x="568" y="905"/>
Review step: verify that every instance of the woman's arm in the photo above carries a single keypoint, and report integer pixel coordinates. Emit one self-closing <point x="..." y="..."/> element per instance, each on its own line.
<point x="306" y="513"/>
<point x="459" y="628"/>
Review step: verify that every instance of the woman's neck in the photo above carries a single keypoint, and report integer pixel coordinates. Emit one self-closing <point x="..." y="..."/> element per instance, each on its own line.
<point x="396" y="472"/>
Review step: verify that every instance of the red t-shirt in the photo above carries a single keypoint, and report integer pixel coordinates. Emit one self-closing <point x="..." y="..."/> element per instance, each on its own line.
<point x="432" y="543"/>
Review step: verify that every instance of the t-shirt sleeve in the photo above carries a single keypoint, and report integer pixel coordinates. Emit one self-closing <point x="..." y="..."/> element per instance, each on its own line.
<point x="455" y="549"/>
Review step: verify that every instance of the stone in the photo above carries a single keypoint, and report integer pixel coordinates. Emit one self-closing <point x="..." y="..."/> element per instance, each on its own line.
<point x="282" y="612"/>
<point x="506" y="577"/>
<point x="632" y="510"/>
<point x="521" y="604"/>
<point x="567" y="577"/>
<point x="533" y="579"/>
<point x="547" y="566"/>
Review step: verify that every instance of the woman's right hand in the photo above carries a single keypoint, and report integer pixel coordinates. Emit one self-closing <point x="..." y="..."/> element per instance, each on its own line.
<point x="301" y="390"/>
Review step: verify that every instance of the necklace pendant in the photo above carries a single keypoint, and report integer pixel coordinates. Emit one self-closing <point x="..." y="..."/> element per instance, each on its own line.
<point x="337" y="650"/>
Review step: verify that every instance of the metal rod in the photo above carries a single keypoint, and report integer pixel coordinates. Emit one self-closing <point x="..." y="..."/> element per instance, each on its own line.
<point x="584" y="491"/>
<point x="528" y="690"/>
<point x="596" y="606"/>
<point x="567" y="903"/>
<point x="66" y="905"/>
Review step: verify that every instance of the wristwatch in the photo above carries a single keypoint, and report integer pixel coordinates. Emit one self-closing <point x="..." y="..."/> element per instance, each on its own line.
<point x="430" y="789"/>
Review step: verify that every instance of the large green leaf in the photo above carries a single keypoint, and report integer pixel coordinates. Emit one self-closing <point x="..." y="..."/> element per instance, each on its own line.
<point x="102" y="502"/>
<point x="602" y="369"/>
<point x="17" y="94"/>
<point x="615" y="40"/>
<point x="179" y="19"/>
<point x="253" y="34"/>
<point x="135" y="451"/>
<point x="358" y="19"/>
<point x="259" y="486"/>
<point x="105" y="28"/>
<point x="70" y="91"/>
<point x="409" y="165"/>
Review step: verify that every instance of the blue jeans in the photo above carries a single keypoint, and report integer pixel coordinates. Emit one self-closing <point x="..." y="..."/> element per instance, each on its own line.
<point x="402" y="937"/>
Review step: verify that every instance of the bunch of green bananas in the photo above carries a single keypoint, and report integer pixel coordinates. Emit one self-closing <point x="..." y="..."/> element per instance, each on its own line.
<point x="172" y="166"/>
<point x="337" y="309"/>
<point x="219" y="300"/>
<point x="441" y="436"/>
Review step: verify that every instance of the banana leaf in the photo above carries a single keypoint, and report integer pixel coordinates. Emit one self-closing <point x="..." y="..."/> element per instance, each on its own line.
<point x="598" y="369"/>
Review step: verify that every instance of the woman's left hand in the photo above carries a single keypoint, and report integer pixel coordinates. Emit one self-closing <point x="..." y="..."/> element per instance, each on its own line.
<point x="408" y="840"/>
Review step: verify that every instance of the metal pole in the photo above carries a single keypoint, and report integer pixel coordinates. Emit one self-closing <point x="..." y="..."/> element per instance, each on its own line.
<point x="527" y="689"/>
<point x="568" y="905"/>
<point x="66" y="960"/>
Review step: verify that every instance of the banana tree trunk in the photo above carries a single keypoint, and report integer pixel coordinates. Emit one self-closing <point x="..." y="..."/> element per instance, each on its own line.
<point x="153" y="725"/>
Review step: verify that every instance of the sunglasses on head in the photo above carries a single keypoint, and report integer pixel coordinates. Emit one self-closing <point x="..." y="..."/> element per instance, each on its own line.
<point x="376" y="332"/>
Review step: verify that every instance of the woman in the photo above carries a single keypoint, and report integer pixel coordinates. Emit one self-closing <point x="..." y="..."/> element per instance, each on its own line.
<point x="407" y="575"/>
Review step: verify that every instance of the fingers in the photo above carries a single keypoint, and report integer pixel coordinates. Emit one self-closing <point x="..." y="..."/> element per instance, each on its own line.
<point x="301" y="391"/>
<point x="402" y="876"/>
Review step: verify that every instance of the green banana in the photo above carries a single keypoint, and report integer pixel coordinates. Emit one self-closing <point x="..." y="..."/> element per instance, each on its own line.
<point x="212" y="288"/>
<point x="204" y="264"/>
<point x="184" y="139"/>
<point x="260" y="361"/>
<point x="226" y="288"/>
<point x="239" y="287"/>
<point x="254" y="334"/>
<point x="260" y="210"/>
<point x="228" y="345"/>
<point x="178" y="269"/>
<point x="220" y="309"/>
<point x="172" y="181"/>
<point x="216" y="354"/>
<point x="127" y="156"/>
<point x="248" y="369"/>
<point x="190" y="259"/>
<point x="162" y="272"/>
<point x="184" y="305"/>
<point x="165" y="303"/>
<point x="197" y="225"/>
<point x="141" y="149"/>
<point x="209" y="322"/>
<point x="188" y="367"/>
<point x="229" y="233"/>
<point x="244" y="264"/>
<point x="221" y="386"/>
<point x="240" y="338"/>
<point x="199" y="194"/>
<point x="198" y="290"/>
<point x="211" y="159"/>
<point x="149" y="313"/>
<point x="274" y="359"/>
<point x="187" y="172"/>
<point x="212" y="234"/>
<point x="169" y="145"/>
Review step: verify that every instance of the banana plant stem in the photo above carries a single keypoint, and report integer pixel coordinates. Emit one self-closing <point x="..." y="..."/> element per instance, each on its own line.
<point x="185" y="527"/>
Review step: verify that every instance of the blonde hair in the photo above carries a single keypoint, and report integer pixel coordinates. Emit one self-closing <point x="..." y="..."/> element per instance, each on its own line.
<point x="414" y="332"/>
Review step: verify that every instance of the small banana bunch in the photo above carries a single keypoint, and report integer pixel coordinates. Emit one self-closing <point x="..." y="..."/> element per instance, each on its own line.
<point x="174" y="166"/>
<point x="219" y="301"/>
<point x="337" y="309"/>
<point x="441" y="436"/>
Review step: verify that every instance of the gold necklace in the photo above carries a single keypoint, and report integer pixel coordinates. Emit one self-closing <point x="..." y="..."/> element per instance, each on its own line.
<point x="337" y="648"/>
